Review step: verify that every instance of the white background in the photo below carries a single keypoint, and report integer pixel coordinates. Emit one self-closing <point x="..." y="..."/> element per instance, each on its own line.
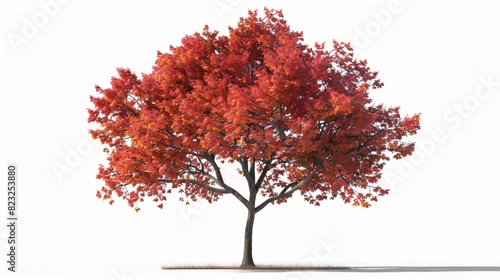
<point x="439" y="59"/>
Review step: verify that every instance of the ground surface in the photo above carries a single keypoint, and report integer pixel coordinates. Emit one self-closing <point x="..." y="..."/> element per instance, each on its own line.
<point x="372" y="269"/>
<point x="155" y="271"/>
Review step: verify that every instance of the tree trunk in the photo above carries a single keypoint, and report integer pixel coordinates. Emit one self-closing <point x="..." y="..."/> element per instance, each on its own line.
<point x="247" y="249"/>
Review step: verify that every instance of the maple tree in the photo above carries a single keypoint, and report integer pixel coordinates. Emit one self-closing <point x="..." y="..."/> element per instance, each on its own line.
<point x="294" y="118"/>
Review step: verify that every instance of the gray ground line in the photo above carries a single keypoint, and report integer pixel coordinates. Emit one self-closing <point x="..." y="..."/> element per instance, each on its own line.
<point x="360" y="269"/>
<point x="424" y="268"/>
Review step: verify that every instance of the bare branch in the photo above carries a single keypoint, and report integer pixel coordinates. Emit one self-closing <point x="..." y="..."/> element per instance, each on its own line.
<point x="246" y="170"/>
<point x="211" y="160"/>
<point x="285" y="193"/>
<point x="252" y="171"/>
<point x="200" y="184"/>
<point x="262" y="176"/>
<point x="361" y="145"/>
<point x="218" y="180"/>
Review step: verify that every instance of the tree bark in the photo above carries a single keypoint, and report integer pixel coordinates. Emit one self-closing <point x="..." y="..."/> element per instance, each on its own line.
<point x="247" y="248"/>
<point x="249" y="172"/>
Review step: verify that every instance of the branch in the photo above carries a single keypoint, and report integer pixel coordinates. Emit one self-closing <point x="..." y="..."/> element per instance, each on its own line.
<point x="211" y="160"/>
<point x="247" y="172"/>
<point x="219" y="181"/>
<point x="252" y="171"/>
<point x="285" y="192"/>
<point x="200" y="184"/>
<point x="358" y="148"/>
<point x="262" y="176"/>
<point x="243" y="163"/>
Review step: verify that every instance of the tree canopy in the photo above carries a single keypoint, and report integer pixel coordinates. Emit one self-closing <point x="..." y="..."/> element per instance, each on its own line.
<point x="297" y="119"/>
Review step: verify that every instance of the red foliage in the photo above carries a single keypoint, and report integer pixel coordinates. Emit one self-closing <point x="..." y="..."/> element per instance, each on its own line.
<point x="296" y="118"/>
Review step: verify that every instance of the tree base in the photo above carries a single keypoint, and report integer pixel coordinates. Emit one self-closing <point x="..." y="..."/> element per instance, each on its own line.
<point x="248" y="266"/>
<point x="247" y="263"/>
